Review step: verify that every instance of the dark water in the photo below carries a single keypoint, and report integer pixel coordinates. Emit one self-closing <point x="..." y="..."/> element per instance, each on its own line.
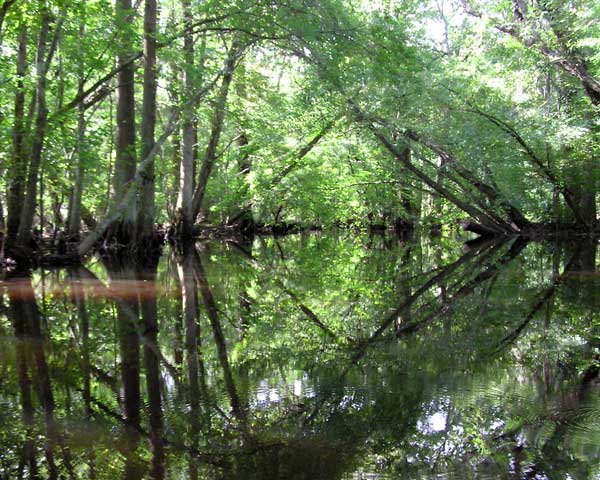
<point x="309" y="357"/>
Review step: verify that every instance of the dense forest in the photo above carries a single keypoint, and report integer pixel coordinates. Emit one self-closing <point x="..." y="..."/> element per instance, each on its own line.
<point x="237" y="239"/>
<point x="122" y="122"/>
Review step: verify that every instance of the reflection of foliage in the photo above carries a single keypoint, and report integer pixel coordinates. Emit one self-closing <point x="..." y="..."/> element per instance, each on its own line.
<point x="328" y="383"/>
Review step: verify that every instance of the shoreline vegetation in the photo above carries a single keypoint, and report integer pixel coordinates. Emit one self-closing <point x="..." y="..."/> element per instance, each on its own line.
<point x="238" y="118"/>
<point x="57" y="251"/>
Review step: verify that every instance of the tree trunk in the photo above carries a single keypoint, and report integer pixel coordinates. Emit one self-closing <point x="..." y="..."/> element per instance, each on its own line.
<point x="78" y="297"/>
<point x="74" y="223"/>
<point x="457" y="174"/>
<point x="302" y="152"/>
<point x="476" y="213"/>
<point x="2" y="220"/>
<point x="410" y="209"/>
<point x="43" y="61"/>
<point x="219" y="338"/>
<point x="244" y="218"/>
<point x="216" y="128"/>
<point x="26" y="321"/>
<point x="19" y="167"/>
<point x="184" y="216"/>
<point x="587" y="200"/>
<point x="124" y="228"/>
<point x="117" y="209"/>
<point x="146" y="215"/>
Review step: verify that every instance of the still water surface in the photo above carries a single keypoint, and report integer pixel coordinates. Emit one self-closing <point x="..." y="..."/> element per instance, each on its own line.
<point x="329" y="356"/>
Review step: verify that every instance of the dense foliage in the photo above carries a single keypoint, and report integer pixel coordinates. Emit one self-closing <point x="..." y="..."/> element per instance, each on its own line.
<point x="297" y="112"/>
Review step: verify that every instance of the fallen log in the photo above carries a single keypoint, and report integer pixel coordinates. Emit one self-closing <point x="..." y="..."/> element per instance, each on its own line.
<point x="478" y="228"/>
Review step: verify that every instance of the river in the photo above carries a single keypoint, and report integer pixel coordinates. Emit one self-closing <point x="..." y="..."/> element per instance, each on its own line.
<point x="330" y="355"/>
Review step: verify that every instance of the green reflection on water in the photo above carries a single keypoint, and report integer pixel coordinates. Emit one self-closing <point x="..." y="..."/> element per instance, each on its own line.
<point x="311" y="356"/>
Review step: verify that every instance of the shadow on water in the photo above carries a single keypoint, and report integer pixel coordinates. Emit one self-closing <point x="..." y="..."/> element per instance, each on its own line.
<point x="313" y="356"/>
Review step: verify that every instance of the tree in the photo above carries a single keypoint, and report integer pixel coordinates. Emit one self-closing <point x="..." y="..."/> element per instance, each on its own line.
<point x="125" y="161"/>
<point x="146" y="214"/>
<point x="346" y="115"/>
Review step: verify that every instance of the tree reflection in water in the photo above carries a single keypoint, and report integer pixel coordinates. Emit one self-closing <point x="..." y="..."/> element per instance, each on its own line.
<point x="313" y="356"/>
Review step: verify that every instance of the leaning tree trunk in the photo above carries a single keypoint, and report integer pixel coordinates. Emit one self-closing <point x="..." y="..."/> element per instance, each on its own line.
<point x="146" y="214"/>
<point x="125" y="164"/>
<point x="221" y="345"/>
<point x="216" y="127"/>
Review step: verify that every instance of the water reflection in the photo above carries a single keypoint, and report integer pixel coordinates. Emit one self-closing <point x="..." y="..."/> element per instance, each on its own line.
<point x="314" y="356"/>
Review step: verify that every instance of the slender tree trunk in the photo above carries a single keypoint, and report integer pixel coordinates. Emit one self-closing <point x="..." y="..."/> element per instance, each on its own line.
<point x="176" y="161"/>
<point x="43" y="382"/>
<point x="174" y="89"/>
<point x="78" y="298"/>
<point x="125" y="163"/>
<point x="184" y="216"/>
<point x="244" y="160"/>
<point x="405" y="290"/>
<point x="2" y="219"/>
<point x="74" y="223"/>
<point x="587" y="200"/>
<point x="177" y="312"/>
<point x="406" y="197"/>
<point x="146" y="215"/>
<point x="302" y="152"/>
<point x="216" y="128"/>
<point x="111" y="148"/>
<point x="19" y="165"/>
<point x="130" y="366"/>
<point x="42" y="64"/>
<point x="589" y="187"/>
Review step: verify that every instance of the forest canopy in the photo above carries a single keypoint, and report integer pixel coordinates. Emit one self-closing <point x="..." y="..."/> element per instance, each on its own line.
<point x="119" y="118"/>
